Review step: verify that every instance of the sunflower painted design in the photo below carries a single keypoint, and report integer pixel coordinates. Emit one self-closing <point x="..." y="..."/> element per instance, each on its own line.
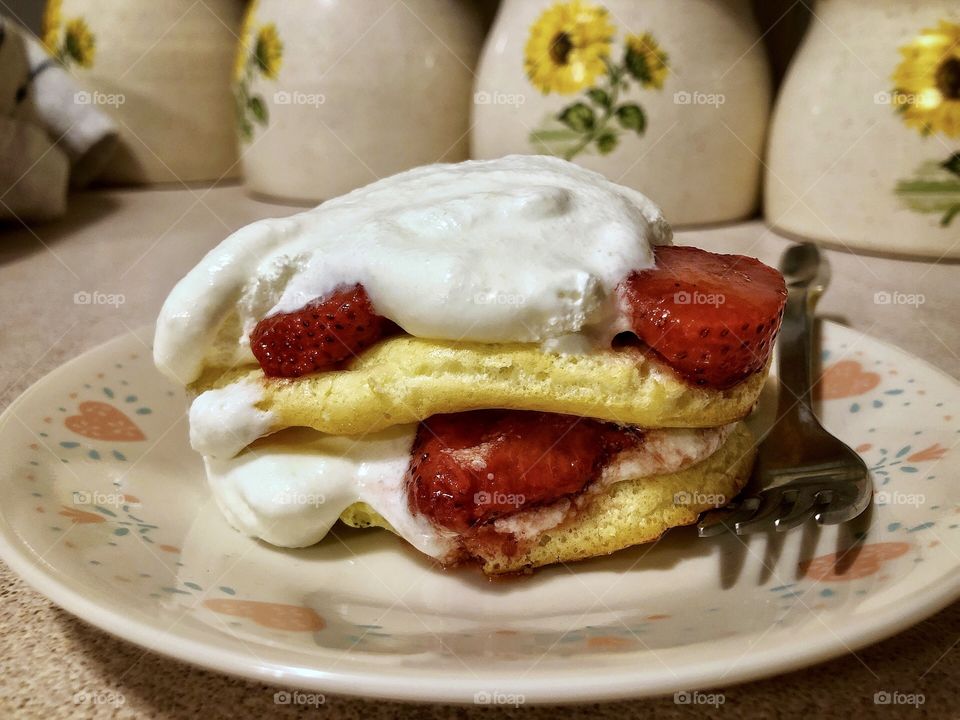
<point x="647" y="60"/>
<point x="70" y="41"/>
<point x="927" y="96"/>
<point x="243" y="43"/>
<point x="927" y="81"/>
<point x="570" y="49"/>
<point x="269" y="51"/>
<point x="259" y="53"/>
<point x="52" y="20"/>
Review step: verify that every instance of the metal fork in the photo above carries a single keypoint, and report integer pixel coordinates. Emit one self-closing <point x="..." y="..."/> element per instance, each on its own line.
<point x="802" y="471"/>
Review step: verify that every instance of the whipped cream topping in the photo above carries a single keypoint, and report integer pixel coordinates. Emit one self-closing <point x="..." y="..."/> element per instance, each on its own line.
<point x="519" y="249"/>
<point x="225" y="420"/>
<point x="290" y="488"/>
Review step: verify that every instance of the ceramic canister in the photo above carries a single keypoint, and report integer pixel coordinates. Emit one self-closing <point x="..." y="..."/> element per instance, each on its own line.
<point x="668" y="96"/>
<point x="335" y="94"/>
<point x="865" y="143"/>
<point x="162" y="71"/>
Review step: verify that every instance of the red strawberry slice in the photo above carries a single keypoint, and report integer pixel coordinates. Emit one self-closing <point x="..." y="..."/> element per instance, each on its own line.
<point x="470" y="467"/>
<point x="712" y="318"/>
<point x="319" y="336"/>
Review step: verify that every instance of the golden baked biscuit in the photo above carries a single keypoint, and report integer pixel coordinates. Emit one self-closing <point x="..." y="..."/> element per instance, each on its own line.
<point x="629" y="513"/>
<point x="406" y="379"/>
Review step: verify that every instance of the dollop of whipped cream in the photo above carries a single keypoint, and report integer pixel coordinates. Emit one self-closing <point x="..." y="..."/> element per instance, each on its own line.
<point x="519" y="249"/>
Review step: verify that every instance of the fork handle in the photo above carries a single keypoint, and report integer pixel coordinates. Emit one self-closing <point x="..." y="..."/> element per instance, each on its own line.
<point x="795" y="354"/>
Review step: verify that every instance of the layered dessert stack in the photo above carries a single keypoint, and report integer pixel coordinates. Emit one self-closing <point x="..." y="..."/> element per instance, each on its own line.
<point x="502" y="361"/>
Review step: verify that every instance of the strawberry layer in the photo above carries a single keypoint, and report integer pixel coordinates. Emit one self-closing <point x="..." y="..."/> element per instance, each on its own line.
<point x="711" y="318"/>
<point x="291" y="487"/>
<point x="469" y="468"/>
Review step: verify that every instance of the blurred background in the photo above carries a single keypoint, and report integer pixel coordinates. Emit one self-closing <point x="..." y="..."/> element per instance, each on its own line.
<point x="720" y="110"/>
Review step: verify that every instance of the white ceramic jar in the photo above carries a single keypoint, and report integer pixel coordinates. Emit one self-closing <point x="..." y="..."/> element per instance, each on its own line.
<point x="865" y="139"/>
<point x="668" y="96"/>
<point x="162" y="71"/>
<point x="332" y="95"/>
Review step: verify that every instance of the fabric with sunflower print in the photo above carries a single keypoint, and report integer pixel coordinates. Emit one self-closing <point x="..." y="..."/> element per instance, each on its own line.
<point x="69" y="41"/>
<point x="569" y="50"/>
<point x="926" y="94"/>
<point x="259" y="53"/>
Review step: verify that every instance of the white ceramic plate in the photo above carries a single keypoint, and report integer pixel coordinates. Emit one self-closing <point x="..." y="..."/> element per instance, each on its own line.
<point x="105" y="511"/>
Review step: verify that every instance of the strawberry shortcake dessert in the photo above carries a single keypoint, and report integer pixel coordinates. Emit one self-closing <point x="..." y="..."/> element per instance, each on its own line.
<point x="501" y="361"/>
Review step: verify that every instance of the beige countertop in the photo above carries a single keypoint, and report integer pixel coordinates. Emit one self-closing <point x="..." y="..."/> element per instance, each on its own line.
<point x="139" y="242"/>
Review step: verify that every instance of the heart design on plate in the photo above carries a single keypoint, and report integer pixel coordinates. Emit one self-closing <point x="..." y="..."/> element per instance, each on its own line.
<point x="867" y="561"/>
<point x="276" y="616"/>
<point x="846" y="378"/>
<point x="101" y="421"/>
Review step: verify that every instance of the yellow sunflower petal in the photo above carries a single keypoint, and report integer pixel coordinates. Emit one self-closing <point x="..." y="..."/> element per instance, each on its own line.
<point x="243" y="44"/>
<point x="79" y="41"/>
<point x="927" y="81"/>
<point x="269" y="50"/>
<point x="567" y="47"/>
<point x="52" y="18"/>
<point x="647" y="61"/>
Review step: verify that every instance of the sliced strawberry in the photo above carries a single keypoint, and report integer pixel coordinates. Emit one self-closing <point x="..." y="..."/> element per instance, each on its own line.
<point x="712" y="318"/>
<point x="319" y="336"/>
<point x="470" y="467"/>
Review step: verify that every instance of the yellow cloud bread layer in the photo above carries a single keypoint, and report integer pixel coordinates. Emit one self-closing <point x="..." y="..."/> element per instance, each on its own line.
<point x="406" y="379"/>
<point x="629" y="513"/>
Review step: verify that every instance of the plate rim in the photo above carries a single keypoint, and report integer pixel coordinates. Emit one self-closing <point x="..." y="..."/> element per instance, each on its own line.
<point x="394" y="683"/>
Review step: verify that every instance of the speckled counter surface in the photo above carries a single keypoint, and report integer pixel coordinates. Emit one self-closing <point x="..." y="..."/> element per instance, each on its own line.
<point x="138" y="243"/>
